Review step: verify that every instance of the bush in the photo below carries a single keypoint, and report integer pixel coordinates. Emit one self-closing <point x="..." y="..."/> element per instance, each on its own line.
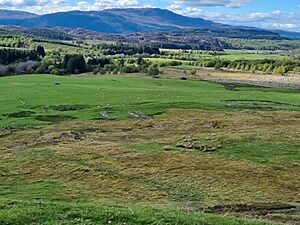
<point x="153" y="70"/>
<point x="18" y="68"/>
<point x="130" y="69"/>
<point x="193" y="72"/>
<point x="3" y="70"/>
<point x="26" y="67"/>
<point x="174" y="63"/>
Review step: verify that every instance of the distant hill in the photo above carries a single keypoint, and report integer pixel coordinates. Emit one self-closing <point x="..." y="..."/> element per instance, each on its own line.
<point x="8" y="14"/>
<point x="111" y="21"/>
<point x="165" y="19"/>
<point x="133" y="20"/>
<point x="288" y="34"/>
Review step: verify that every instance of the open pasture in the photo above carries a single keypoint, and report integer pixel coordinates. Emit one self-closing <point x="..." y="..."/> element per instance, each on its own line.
<point x="121" y="150"/>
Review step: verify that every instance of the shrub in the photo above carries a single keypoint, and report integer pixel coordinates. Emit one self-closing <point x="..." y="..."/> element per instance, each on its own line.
<point x="153" y="70"/>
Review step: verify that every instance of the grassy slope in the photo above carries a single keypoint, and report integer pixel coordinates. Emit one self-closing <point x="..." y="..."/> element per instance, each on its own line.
<point x="119" y="173"/>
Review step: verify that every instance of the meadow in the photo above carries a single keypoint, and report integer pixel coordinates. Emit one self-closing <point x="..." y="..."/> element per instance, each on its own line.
<point x="36" y="100"/>
<point x="132" y="149"/>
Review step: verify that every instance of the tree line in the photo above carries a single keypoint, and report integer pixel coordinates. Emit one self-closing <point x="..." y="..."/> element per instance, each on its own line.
<point x="262" y="44"/>
<point x="278" y="66"/>
<point x="126" y="49"/>
<point x="8" y="56"/>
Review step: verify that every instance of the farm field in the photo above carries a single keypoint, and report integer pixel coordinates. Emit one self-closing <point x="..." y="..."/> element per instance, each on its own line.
<point x="120" y="149"/>
<point x="230" y="54"/>
<point x="231" y="76"/>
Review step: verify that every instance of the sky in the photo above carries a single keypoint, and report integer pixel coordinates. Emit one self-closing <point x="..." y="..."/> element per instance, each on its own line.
<point x="270" y="14"/>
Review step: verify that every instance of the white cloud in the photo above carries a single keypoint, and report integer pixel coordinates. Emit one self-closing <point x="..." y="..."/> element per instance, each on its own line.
<point x="103" y="4"/>
<point x="36" y="6"/>
<point x="19" y="3"/>
<point x="270" y="20"/>
<point x="284" y="26"/>
<point x="50" y="6"/>
<point x="83" y="6"/>
<point x="10" y="3"/>
<point x="199" y="3"/>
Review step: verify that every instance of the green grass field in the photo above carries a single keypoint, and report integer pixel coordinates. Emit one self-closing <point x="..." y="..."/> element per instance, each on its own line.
<point x="62" y="161"/>
<point x="30" y="99"/>
<point x="250" y="55"/>
<point x="229" y="55"/>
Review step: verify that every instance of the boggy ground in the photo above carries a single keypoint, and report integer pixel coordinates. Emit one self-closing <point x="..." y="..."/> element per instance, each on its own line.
<point x="247" y="164"/>
<point x="234" y="77"/>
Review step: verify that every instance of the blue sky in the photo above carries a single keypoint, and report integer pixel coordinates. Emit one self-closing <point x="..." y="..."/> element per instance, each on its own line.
<point x="271" y="14"/>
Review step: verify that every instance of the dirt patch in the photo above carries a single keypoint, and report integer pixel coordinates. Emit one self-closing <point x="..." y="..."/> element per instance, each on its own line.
<point x="20" y="114"/>
<point x="54" y="118"/>
<point x="263" y="208"/>
<point x="257" y="104"/>
<point x="277" y="212"/>
<point x="66" y="108"/>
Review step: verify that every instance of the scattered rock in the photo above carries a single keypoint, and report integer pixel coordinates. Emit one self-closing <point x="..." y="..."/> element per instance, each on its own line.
<point x="63" y="135"/>
<point x="210" y="138"/>
<point x="189" y="139"/>
<point x="167" y="147"/>
<point x="76" y="135"/>
<point x="188" y="145"/>
<point x="105" y="115"/>
<point x="157" y="126"/>
<point x="192" y="143"/>
<point x="21" y="144"/>
<point x="68" y="136"/>
<point x="210" y="125"/>
<point x="137" y="115"/>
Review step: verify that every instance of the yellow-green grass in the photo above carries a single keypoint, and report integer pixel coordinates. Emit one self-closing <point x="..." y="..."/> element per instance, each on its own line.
<point x="230" y="55"/>
<point x="123" y="172"/>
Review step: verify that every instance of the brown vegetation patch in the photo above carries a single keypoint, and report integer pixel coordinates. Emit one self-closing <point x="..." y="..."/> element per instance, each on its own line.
<point x="100" y="163"/>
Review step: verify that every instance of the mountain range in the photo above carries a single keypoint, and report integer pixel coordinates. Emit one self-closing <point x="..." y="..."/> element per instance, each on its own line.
<point x="108" y="21"/>
<point x="132" y="20"/>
